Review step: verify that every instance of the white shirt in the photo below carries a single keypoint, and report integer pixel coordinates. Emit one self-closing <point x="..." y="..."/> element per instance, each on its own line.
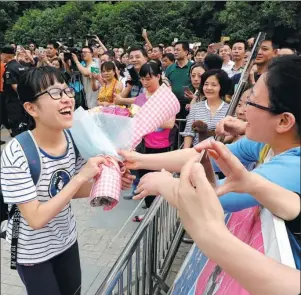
<point x="59" y="234"/>
<point x="91" y="96"/>
<point x="228" y="67"/>
<point x="201" y="111"/>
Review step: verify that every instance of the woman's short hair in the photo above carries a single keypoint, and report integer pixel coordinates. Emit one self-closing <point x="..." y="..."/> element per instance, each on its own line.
<point x="170" y="56"/>
<point x="213" y="61"/>
<point x="197" y="65"/>
<point x="35" y="80"/>
<point x="121" y="67"/>
<point x="109" y="66"/>
<point x="59" y="61"/>
<point x="151" y="68"/>
<point x="123" y="54"/>
<point x="283" y="81"/>
<point x="223" y="79"/>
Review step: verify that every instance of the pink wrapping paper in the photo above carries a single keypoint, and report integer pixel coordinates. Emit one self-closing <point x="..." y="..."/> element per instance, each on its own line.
<point x="107" y="185"/>
<point x="161" y="107"/>
<point x="116" y="110"/>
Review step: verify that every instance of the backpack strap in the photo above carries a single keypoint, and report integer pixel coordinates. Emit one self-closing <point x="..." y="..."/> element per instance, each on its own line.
<point x="31" y="152"/>
<point x="74" y="145"/>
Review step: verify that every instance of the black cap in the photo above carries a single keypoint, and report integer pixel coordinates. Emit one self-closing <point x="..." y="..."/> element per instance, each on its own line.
<point x="7" y="50"/>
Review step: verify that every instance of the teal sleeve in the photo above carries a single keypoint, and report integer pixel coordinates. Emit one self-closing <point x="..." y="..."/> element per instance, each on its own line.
<point x="283" y="170"/>
<point x="246" y="150"/>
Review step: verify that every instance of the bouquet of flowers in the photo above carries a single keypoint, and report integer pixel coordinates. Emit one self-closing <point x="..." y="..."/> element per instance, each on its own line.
<point x="101" y="133"/>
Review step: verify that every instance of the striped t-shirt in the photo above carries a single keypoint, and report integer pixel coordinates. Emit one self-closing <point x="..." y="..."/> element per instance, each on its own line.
<point x="201" y="111"/>
<point x="36" y="246"/>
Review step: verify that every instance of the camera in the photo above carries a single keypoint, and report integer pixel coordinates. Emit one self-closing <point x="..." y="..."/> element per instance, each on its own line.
<point x="135" y="79"/>
<point x="91" y="40"/>
<point x="67" y="51"/>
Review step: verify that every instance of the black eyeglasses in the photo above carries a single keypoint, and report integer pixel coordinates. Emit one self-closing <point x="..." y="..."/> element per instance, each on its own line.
<point x="258" y="106"/>
<point x="57" y="93"/>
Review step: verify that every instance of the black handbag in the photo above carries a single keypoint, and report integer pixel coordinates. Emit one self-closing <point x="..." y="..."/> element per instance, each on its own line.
<point x="140" y="148"/>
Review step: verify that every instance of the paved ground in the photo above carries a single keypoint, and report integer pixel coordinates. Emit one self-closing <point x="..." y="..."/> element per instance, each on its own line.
<point x="96" y="229"/>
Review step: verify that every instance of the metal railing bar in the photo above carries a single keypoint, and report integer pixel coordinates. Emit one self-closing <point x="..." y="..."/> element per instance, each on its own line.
<point x="129" y="277"/>
<point x="137" y="272"/>
<point x="144" y="253"/>
<point x="131" y="245"/>
<point x="120" y="285"/>
<point x="172" y="251"/>
<point x="155" y="241"/>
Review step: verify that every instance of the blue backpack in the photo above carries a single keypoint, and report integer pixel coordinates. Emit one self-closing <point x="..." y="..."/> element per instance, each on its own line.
<point x="31" y="152"/>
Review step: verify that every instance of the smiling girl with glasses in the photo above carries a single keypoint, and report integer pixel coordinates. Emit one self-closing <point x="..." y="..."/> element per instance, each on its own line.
<point x="47" y="249"/>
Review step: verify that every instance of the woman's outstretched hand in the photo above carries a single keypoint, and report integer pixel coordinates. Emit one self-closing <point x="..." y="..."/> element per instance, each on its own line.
<point x="199" y="208"/>
<point x="238" y="177"/>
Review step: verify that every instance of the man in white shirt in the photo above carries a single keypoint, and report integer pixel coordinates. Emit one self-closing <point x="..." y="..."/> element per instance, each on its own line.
<point x="85" y="70"/>
<point x="225" y="53"/>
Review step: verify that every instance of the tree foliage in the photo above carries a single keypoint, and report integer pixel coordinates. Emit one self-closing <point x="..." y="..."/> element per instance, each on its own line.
<point x="121" y="23"/>
<point x="280" y="19"/>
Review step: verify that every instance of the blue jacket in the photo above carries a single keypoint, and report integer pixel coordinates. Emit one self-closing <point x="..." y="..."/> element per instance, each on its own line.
<point x="282" y="169"/>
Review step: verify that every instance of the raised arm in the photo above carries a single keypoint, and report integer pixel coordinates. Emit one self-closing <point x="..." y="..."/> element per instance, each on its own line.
<point x="203" y="218"/>
<point x="119" y="100"/>
<point x="280" y="201"/>
<point x="36" y="213"/>
<point x="170" y="161"/>
<point x="84" y="71"/>
<point x="100" y="43"/>
<point x="145" y="37"/>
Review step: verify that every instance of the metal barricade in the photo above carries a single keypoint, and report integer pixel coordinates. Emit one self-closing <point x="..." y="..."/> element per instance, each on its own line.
<point x="144" y="263"/>
<point x="148" y="256"/>
<point x="181" y="123"/>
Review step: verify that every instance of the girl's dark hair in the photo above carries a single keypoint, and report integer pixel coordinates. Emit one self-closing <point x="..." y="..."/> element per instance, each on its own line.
<point x="121" y="56"/>
<point x="213" y="61"/>
<point x="283" y="81"/>
<point x="170" y="56"/>
<point x="109" y="66"/>
<point x="151" y="68"/>
<point x="223" y="79"/>
<point x="197" y="65"/>
<point x="121" y="67"/>
<point x="59" y="61"/>
<point x="34" y="81"/>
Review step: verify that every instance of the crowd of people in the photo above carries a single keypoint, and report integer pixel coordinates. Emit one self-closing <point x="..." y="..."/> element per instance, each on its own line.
<point x="40" y="88"/>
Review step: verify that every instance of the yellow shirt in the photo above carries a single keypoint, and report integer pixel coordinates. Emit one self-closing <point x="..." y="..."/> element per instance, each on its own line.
<point x="106" y="92"/>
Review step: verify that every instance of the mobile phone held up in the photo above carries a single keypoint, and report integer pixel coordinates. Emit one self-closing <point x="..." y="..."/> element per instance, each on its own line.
<point x="186" y="88"/>
<point x="218" y="45"/>
<point x="41" y="50"/>
<point x="90" y="37"/>
<point x="95" y="70"/>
